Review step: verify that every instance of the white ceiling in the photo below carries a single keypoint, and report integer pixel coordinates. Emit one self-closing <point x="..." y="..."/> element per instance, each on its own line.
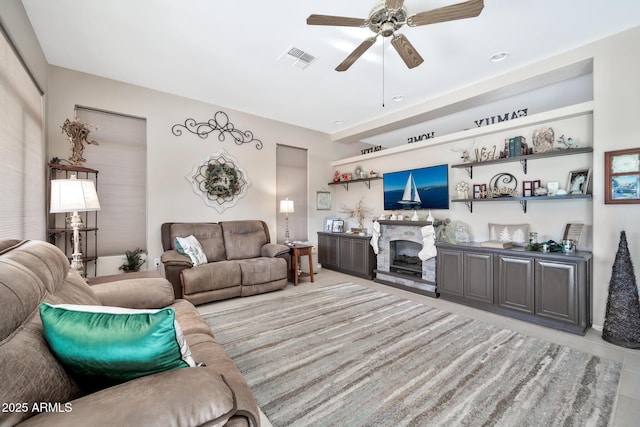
<point x="228" y="53"/>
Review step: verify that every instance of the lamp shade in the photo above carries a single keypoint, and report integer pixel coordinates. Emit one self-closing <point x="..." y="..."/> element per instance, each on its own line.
<point x="69" y="195"/>
<point x="286" y="206"/>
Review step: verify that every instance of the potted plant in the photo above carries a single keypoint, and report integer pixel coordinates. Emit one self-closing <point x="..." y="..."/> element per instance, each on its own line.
<point x="134" y="261"/>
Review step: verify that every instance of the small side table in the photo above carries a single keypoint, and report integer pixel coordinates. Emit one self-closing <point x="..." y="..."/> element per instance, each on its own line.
<point x="298" y="250"/>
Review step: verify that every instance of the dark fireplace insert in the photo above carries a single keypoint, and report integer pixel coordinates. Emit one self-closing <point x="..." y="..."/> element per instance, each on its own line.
<point x="404" y="258"/>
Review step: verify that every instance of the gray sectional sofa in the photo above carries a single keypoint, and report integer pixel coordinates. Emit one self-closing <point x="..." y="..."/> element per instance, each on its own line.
<point x="241" y="260"/>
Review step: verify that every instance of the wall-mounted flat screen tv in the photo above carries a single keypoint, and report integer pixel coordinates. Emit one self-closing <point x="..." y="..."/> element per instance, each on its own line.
<point x="424" y="188"/>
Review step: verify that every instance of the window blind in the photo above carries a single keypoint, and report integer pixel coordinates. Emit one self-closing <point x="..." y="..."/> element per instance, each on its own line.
<point x="22" y="183"/>
<point x="121" y="162"/>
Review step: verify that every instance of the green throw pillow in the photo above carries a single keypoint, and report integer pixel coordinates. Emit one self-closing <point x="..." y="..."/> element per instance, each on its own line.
<point x="191" y="247"/>
<point x="102" y="345"/>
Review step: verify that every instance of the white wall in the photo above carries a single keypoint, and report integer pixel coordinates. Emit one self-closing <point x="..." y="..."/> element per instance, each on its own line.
<point x="614" y="125"/>
<point x="171" y="158"/>
<point x="616" y="85"/>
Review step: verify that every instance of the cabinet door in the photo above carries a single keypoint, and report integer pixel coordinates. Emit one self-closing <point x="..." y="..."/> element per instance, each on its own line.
<point x="449" y="272"/>
<point x="328" y="250"/>
<point x="346" y="253"/>
<point x="557" y="291"/>
<point x="515" y="283"/>
<point x="478" y="276"/>
<point x="360" y="256"/>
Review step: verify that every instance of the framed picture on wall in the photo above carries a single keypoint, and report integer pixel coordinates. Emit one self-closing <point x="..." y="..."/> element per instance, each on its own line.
<point x="622" y="176"/>
<point x="323" y="200"/>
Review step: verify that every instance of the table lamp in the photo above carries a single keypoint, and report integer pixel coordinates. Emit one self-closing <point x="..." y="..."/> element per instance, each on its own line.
<point x="74" y="195"/>
<point x="286" y="207"/>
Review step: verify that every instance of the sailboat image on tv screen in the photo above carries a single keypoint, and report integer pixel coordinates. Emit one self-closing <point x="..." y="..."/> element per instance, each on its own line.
<point x="410" y="197"/>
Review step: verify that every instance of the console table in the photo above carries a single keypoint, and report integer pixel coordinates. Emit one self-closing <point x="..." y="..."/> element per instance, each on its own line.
<point x="549" y="289"/>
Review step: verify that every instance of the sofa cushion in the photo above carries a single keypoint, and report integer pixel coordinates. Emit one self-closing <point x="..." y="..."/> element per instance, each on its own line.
<point x="209" y="236"/>
<point x="110" y="345"/>
<point x="262" y="270"/>
<point x="207" y="277"/>
<point x="190" y="246"/>
<point x="244" y="239"/>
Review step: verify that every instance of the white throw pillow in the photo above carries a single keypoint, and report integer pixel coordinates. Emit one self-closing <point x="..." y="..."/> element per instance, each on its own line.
<point x="190" y="247"/>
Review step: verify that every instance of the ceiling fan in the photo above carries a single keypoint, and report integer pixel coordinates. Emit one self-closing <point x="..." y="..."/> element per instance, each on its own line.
<point x="387" y="17"/>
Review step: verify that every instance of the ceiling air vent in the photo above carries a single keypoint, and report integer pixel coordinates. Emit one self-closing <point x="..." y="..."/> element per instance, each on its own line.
<point x="298" y="57"/>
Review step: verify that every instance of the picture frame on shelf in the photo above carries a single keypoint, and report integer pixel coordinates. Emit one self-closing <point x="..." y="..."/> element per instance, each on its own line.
<point x="622" y="176"/>
<point x="527" y="188"/>
<point x="323" y="200"/>
<point x="478" y="189"/>
<point x="328" y="224"/>
<point x="578" y="182"/>
<point x="552" y="187"/>
<point x="337" y="226"/>
<point x="573" y="232"/>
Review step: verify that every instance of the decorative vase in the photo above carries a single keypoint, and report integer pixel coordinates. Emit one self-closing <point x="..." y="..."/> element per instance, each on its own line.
<point x="462" y="194"/>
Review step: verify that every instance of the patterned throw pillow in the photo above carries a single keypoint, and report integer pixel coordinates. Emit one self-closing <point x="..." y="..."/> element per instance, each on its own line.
<point x="191" y="247"/>
<point x="518" y="234"/>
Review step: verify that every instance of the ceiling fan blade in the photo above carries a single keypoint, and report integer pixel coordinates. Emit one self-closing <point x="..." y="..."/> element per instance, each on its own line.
<point x="394" y="4"/>
<point x="339" y="21"/>
<point x="357" y="53"/>
<point x="468" y="9"/>
<point x="407" y="52"/>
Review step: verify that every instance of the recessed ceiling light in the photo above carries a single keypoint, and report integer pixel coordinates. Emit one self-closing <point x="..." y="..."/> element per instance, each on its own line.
<point x="500" y="56"/>
<point x="338" y="122"/>
<point x="398" y="98"/>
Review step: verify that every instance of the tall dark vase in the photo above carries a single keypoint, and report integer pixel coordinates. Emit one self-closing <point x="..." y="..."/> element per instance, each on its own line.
<point x="622" y="321"/>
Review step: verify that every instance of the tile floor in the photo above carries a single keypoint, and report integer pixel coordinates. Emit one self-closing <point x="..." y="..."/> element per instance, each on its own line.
<point x="627" y="407"/>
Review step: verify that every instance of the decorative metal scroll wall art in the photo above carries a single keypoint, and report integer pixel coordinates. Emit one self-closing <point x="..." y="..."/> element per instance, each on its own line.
<point x="219" y="123"/>
<point x="219" y="180"/>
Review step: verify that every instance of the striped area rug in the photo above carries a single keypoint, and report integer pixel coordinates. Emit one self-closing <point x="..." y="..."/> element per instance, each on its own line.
<point x="346" y="355"/>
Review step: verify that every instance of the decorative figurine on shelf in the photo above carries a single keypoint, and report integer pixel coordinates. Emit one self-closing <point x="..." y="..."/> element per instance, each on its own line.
<point x="543" y="140"/>
<point x="569" y="142"/>
<point x="463" y="189"/>
<point x="336" y="176"/>
<point x="78" y="134"/>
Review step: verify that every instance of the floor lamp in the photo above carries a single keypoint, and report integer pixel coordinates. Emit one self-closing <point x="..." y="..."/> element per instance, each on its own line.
<point x="74" y="195"/>
<point x="286" y="207"/>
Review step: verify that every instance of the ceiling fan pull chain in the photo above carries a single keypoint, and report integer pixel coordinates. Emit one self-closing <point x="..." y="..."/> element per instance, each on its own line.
<point x="383" y="73"/>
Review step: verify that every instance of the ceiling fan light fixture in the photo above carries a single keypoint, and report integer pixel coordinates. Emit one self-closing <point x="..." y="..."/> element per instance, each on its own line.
<point x="499" y="57"/>
<point x="388" y="16"/>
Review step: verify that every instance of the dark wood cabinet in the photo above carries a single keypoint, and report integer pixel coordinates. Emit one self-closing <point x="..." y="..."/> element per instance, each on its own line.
<point x="515" y="283"/>
<point x="467" y="275"/>
<point x="552" y="289"/>
<point x="347" y="253"/>
<point x="449" y="272"/>
<point x="478" y="276"/>
<point x="558" y="291"/>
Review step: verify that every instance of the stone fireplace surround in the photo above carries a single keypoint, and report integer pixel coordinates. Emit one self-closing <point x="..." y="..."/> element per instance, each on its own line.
<point x="404" y="238"/>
